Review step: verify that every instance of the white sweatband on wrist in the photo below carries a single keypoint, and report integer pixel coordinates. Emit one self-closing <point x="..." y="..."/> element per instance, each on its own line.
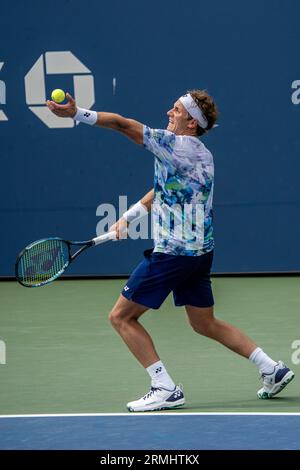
<point x="194" y="110"/>
<point x="135" y="212"/>
<point x="86" y="115"/>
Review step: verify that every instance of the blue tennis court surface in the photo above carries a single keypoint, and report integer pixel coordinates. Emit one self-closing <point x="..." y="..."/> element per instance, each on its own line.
<point x="152" y="431"/>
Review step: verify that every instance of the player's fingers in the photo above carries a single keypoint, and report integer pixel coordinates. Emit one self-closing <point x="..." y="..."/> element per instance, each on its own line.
<point x="112" y="228"/>
<point x="118" y="234"/>
<point x="57" y="113"/>
<point x="62" y="106"/>
<point x="70" y="98"/>
<point x="51" y="106"/>
<point x="115" y="228"/>
<point x="123" y="232"/>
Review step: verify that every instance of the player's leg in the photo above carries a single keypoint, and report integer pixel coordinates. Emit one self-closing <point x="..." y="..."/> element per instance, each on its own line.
<point x="275" y="375"/>
<point x="147" y="287"/>
<point x="203" y="321"/>
<point x="196" y="294"/>
<point x="163" y="393"/>
<point x="124" y="318"/>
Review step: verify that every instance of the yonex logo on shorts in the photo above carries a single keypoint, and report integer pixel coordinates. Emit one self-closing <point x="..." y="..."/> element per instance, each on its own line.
<point x="126" y="288"/>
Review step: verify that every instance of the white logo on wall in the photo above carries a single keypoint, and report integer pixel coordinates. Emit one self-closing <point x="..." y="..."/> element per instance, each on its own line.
<point x="59" y="62"/>
<point x="2" y="352"/>
<point x="296" y="94"/>
<point x="296" y="354"/>
<point x="3" y="116"/>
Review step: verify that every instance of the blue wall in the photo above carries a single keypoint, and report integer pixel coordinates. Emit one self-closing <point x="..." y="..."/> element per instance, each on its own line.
<point x="245" y="53"/>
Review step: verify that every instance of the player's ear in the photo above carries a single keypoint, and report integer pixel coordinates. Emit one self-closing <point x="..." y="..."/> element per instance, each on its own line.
<point x="192" y="124"/>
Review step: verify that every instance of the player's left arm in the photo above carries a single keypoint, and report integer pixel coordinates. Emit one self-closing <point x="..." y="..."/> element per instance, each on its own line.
<point x="129" y="127"/>
<point x="147" y="200"/>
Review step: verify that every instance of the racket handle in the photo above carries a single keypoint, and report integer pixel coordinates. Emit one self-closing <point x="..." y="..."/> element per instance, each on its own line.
<point x="104" y="238"/>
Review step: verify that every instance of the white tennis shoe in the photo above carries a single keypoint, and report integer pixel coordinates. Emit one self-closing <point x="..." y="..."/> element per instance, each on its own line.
<point x="158" y="399"/>
<point x="276" y="381"/>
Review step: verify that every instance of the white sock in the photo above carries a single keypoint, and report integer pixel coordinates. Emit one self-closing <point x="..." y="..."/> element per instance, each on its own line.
<point x="262" y="361"/>
<point x="160" y="377"/>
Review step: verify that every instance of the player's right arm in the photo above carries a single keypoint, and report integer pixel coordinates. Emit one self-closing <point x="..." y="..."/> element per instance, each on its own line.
<point x="122" y="224"/>
<point x="129" y="127"/>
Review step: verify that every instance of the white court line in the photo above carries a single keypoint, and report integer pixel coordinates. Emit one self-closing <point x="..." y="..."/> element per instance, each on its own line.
<point x="144" y="414"/>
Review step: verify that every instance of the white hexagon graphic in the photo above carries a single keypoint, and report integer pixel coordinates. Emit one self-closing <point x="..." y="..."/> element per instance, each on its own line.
<point x="59" y="62"/>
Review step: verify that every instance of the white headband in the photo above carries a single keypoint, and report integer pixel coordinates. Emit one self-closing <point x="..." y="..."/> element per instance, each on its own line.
<point x="193" y="109"/>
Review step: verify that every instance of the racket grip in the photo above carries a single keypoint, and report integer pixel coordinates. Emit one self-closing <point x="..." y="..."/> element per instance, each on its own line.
<point x="105" y="238"/>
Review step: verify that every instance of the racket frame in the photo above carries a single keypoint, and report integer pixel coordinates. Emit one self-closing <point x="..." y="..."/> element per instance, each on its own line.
<point x="84" y="245"/>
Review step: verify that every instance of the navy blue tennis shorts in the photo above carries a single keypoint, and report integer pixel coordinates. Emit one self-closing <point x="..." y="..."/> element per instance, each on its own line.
<point x="188" y="277"/>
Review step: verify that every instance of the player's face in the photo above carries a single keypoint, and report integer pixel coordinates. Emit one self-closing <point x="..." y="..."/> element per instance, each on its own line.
<point x="178" y="119"/>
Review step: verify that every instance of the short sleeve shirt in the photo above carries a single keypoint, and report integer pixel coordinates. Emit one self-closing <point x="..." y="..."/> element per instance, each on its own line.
<point x="183" y="193"/>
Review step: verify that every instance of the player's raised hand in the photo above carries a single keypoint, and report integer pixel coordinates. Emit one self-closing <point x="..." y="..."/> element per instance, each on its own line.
<point x="63" y="110"/>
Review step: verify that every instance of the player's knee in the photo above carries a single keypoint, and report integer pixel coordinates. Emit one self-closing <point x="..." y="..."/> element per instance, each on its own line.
<point x="203" y="326"/>
<point x="115" y="318"/>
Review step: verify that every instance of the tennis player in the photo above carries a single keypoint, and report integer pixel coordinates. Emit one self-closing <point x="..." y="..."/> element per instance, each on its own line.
<point x="182" y="257"/>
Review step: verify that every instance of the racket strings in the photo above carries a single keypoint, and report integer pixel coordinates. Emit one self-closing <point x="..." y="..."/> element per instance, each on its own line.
<point x="43" y="261"/>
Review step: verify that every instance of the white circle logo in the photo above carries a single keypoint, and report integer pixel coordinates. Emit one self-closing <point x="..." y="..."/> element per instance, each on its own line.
<point x="59" y="62"/>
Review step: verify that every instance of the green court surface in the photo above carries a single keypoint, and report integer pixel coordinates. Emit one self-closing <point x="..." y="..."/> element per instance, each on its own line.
<point x="64" y="357"/>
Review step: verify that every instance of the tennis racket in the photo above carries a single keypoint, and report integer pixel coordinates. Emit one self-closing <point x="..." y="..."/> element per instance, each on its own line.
<point x="45" y="260"/>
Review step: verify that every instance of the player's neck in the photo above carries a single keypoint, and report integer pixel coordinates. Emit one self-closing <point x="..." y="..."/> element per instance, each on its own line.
<point x="187" y="133"/>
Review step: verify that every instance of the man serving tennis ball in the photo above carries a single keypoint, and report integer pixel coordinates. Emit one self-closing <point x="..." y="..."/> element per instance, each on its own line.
<point x="183" y="244"/>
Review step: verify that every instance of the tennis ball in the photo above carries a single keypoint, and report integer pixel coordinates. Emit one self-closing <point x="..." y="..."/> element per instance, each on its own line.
<point x="58" y="95"/>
